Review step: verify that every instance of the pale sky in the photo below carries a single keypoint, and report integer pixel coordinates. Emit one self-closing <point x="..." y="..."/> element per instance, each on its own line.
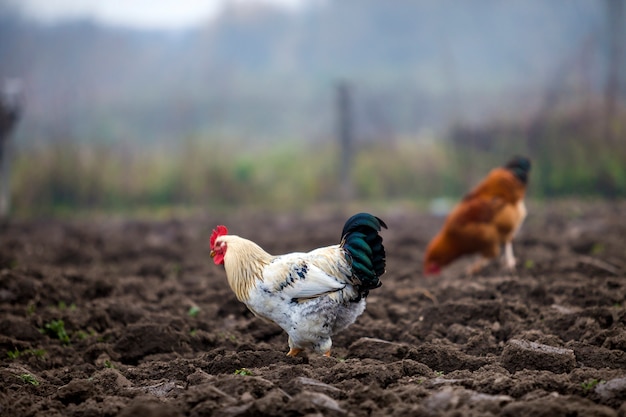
<point x="149" y="14"/>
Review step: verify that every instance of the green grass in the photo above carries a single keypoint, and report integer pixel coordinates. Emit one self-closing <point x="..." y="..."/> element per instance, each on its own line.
<point x="73" y="178"/>
<point x="219" y="174"/>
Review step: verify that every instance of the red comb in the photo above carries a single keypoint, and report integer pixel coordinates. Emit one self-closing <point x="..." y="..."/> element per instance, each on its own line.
<point x="219" y="231"/>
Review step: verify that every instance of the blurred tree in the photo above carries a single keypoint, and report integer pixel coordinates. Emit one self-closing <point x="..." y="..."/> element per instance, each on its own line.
<point x="615" y="16"/>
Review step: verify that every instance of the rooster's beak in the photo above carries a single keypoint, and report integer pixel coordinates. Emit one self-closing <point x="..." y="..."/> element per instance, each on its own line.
<point x="212" y="253"/>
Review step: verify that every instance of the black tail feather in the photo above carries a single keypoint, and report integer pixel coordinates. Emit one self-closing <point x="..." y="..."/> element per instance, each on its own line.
<point x="520" y="166"/>
<point x="361" y="240"/>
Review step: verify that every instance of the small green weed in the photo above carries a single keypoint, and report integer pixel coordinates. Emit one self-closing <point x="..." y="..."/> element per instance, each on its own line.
<point x="529" y="264"/>
<point x="590" y="384"/>
<point x="193" y="311"/>
<point x="108" y="364"/>
<point x="30" y="379"/>
<point x="56" y="328"/>
<point x="227" y="336"/>
<point x="14" y="354"/>
<point x="30" y="309"/>
<point x="597" y="248"/>
<point x="39" y="353"/>
<point x="81" y="335"/>
<point x="439" y="373"/>
<point x="176" y="269"/>
<point x="63" y="306"/>
<point x="243" y="371"/>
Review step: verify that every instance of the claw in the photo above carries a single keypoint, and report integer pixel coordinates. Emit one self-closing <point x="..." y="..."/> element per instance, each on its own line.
<point x="293" y="352"/>
<point x="428" y="295"/>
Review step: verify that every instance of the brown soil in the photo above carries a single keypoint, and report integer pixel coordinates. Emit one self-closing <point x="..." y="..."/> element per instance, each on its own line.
<point x="548" y="340"/>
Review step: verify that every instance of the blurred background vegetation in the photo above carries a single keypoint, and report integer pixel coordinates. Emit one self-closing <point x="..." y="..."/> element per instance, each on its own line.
<point x="240" y="110"/>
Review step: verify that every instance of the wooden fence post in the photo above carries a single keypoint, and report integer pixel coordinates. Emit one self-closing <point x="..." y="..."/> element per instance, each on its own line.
<point x="345" y="137"/>
<point x="10" y="110"/>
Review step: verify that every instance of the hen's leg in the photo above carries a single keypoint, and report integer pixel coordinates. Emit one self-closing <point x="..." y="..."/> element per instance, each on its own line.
<point x="509" y="259"/>
<point x="327" y="354"/>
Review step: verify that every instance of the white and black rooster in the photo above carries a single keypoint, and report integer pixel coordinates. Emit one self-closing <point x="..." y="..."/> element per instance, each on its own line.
<point x="310" y="295"/>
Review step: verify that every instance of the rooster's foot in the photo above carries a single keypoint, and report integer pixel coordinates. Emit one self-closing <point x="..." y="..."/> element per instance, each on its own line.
<point x="293" y="352"/>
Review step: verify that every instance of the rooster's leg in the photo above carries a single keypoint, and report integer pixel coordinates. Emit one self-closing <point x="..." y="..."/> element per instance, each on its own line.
<point x="327" y="354"/>
<point x="293" y="352"/>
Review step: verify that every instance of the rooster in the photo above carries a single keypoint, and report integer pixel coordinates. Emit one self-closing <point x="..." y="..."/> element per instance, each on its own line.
<point x="487" y="218"/>
<point x="310" y="295"/>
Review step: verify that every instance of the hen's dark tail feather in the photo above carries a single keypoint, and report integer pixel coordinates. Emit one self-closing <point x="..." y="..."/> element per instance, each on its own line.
<point x="361" y="240"/>
<point x="520" y="167"/>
